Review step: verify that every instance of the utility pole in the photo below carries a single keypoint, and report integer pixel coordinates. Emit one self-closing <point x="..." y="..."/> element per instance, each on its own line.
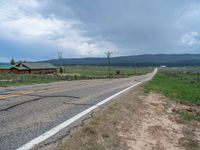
<point x="108" y="57"/>
<point x="135" y="68"/>
<point x="59" y="55"/>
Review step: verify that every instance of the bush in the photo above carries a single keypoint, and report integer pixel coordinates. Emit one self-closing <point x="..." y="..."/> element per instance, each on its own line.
<point x="118" y="72"/>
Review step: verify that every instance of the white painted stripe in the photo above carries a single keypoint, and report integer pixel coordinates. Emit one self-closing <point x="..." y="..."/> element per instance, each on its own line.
<point x="68" y="122"/>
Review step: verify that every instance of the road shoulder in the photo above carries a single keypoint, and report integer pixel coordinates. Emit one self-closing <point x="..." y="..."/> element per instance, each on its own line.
<point x="134" y="120"/>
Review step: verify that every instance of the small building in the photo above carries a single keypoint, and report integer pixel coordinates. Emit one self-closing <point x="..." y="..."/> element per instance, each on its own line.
<point x="36" y="68"/>
<point x="163" y="66"/>
<point x="28" y="68"/>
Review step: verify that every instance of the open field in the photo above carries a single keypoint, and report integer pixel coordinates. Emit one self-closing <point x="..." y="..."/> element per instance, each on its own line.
<point x="70" y="73"/>
<point x="102" y="71"/>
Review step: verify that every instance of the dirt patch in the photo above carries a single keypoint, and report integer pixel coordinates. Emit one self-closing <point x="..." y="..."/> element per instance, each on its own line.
<point x="137" y="121"/>
<point x="157" y="129"/>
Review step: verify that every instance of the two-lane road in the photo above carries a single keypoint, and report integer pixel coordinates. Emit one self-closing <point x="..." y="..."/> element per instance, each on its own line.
<point x="26" y="112"/>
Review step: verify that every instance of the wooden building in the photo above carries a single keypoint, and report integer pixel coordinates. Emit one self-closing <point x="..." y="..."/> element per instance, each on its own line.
<point x="5" y="68"/>
<point x="28" y="68"/>
<point x="37" y="68"/>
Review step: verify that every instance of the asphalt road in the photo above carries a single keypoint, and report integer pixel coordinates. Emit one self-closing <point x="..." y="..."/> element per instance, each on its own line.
<point x="28" y="111"/>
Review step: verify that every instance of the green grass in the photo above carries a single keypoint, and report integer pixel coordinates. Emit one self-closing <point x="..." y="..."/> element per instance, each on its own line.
<point x="101" y="71"/>
<point x="26" y="79"/>
<point x="176" y="85"/>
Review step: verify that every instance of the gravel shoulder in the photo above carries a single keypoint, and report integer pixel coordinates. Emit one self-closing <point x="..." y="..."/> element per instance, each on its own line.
<point x="136" y="120"/>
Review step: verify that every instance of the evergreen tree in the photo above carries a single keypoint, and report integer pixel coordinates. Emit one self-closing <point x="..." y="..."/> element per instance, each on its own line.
<point x="61" y="70"/>
<point x="12" y="62"/>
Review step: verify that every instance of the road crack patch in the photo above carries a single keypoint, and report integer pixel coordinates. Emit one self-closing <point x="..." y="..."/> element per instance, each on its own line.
<point x="36" y="99"/>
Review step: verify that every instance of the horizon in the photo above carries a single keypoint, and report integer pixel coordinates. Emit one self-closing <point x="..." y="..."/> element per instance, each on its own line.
<point x="94" y="57"/>
<point x="37" y="30"/>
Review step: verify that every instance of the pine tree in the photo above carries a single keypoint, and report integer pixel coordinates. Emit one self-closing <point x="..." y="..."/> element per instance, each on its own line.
<point x="12" y="62"/>
<point x="61" y="70"/>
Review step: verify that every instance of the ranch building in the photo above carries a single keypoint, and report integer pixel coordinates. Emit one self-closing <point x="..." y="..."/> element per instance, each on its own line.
<point x="29" y="68"/>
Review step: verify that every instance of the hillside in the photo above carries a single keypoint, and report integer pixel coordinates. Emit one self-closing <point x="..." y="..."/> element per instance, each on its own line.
<point x="139" y="60"/>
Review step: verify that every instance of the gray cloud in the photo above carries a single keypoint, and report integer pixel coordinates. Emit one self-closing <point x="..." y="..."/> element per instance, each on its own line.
<point x="89" y="28"/>
<point x="138" y="26"/>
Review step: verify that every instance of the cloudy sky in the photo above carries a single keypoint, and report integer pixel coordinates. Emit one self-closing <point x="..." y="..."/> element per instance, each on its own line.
<point x="38" y="29"/>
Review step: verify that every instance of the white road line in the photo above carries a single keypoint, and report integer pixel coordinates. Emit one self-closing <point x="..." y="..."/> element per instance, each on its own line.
<point x="68" y="122"/>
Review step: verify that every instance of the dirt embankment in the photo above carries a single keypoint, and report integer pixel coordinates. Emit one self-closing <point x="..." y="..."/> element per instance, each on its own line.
<point x="137" y="121"/>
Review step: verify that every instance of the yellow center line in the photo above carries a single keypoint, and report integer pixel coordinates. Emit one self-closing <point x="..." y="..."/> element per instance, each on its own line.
<point x="25" y="92"/>
<point x="8" y="96"/>
<point x="19" y="93"/>
<point x="15" y="94"/>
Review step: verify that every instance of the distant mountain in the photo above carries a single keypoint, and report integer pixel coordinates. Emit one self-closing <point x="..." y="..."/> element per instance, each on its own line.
<point x="1" y="63"/>
<point x="138" y="60"/>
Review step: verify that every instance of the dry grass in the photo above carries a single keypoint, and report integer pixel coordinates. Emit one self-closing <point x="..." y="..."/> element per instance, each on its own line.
<point x="103" y="131"/>
<point x="136" y="121"/>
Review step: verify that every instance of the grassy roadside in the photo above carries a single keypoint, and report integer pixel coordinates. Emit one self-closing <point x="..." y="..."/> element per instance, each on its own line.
<point x="183" y="88"/>
<point x="7" y="79"/>
<point x="179" y="88"/>
<point x="134" y="120"/>
<point x="26" y="79"/>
